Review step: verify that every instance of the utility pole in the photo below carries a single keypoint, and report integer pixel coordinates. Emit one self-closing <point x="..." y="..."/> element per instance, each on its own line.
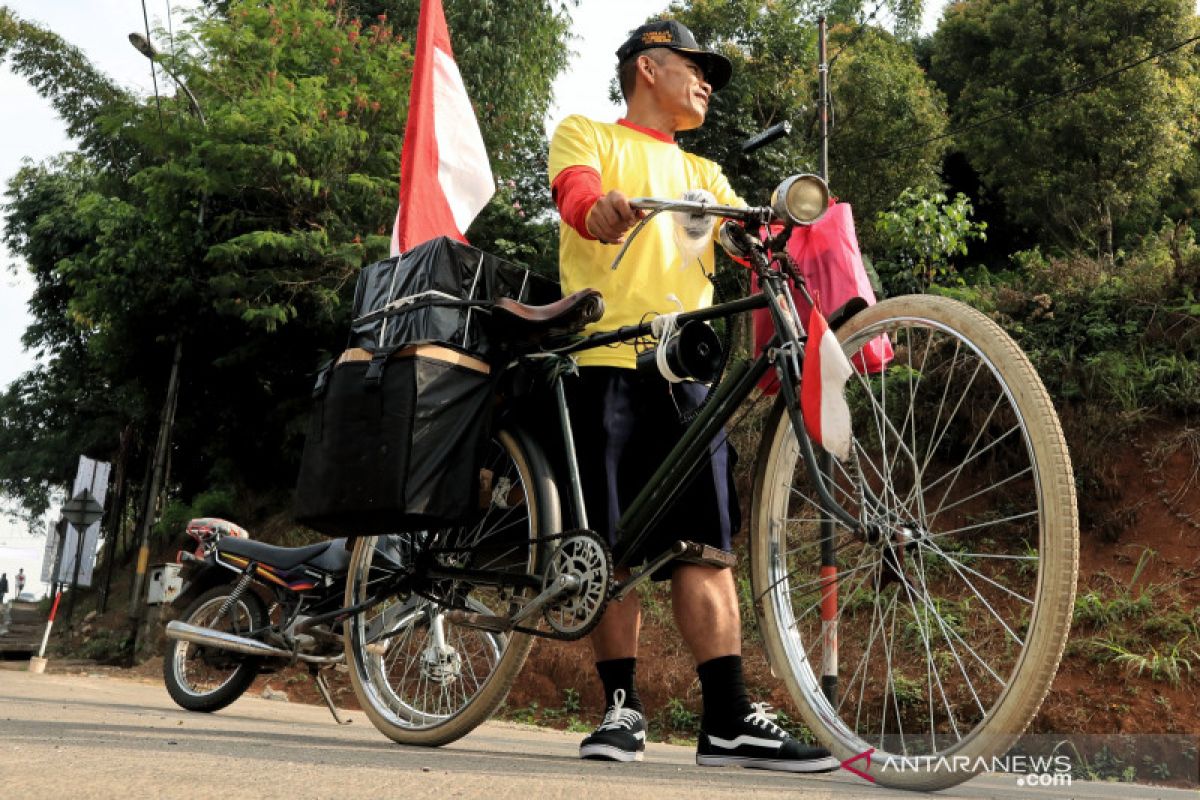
<point x="161" y="444"/>
<point x="116" y="520"/>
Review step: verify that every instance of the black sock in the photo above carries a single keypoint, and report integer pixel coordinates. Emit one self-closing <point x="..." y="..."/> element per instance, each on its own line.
<point x="620" y="673"/>
<point x="726" y="700"/>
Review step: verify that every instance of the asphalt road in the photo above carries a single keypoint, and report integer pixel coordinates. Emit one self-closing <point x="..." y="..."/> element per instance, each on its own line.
<point x="89" y="736"/>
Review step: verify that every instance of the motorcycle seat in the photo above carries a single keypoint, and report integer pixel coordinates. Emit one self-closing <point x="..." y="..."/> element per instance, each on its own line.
<point x="274" y="555"/>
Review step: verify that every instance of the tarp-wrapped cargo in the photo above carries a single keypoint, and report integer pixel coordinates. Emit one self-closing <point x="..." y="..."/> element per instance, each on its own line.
<point x="431" y="294"/>
<point x="401" y="419"/>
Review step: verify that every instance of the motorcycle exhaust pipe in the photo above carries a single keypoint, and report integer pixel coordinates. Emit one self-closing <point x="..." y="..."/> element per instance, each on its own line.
<point x="208" y="637"/>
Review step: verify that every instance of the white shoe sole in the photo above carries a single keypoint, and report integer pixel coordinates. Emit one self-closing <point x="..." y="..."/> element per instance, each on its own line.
<point x="606" y="752"/>
<point x="828" y="764"/>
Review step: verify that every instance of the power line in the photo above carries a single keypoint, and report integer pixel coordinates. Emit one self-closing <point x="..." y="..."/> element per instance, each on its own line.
<point x="171" y="35"/>
<point x="1031" y="104"/>
<point x="862" y="27"/>
<point x="153" y="73"/>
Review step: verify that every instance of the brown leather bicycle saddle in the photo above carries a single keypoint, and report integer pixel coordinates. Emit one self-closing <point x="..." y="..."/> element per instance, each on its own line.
<point x="562" y="318"/>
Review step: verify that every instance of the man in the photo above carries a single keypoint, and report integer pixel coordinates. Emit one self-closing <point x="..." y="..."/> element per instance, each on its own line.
<point x="3" y="586"/>
<point x="625" y="423"/>
<point x="20" y="583"/>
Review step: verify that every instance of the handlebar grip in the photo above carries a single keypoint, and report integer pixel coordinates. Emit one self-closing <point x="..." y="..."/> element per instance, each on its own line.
<point x="763" y="139"/>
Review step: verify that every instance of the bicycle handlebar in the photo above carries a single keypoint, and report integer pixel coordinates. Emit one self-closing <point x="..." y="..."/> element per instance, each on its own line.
<point x="754" y="215"/>
<point x="760" y="214"/>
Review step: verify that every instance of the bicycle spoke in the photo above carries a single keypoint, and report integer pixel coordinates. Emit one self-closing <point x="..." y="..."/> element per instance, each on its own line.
<point x="933" y="667"/>
<point x="994" y="486"/>
<point x="953" y="652"/>
<point x="978" y="525"/>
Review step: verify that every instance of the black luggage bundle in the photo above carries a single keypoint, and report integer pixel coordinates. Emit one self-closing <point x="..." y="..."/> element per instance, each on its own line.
<point x="401" y="418"/>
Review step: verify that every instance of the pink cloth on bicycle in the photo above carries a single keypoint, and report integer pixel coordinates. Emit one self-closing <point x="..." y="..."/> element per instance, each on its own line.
<point x="829" y="259"/>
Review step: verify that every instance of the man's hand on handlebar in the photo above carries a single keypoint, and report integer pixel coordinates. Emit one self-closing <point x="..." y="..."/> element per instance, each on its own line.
<point x="611" y="218"/>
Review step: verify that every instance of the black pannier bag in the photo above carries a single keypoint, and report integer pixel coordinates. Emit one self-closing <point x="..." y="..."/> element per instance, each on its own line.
<point x="401" y="419"/>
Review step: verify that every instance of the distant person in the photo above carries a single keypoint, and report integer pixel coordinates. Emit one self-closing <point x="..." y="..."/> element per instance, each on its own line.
<point x="3" y="586"/>
<point x="20" y="583"/>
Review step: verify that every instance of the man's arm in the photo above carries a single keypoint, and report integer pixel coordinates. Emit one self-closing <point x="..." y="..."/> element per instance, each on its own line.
<point x="594" y="215"/>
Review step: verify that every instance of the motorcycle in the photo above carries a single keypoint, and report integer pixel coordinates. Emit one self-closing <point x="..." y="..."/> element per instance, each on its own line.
<point x="252" y="608"/>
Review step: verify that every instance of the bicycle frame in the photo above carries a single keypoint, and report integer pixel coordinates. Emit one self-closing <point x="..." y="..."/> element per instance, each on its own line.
<point x="784" y="352"/>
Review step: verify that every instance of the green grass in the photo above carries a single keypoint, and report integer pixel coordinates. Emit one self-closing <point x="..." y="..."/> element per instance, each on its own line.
<point x="1171" y="664"/>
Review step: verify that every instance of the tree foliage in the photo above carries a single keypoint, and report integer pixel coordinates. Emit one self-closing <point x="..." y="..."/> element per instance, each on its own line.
<point x="239" y="235"/>
<point x="881" y="99"/>
<point x="1076" y="168"/>
<point x="917" y="238"/>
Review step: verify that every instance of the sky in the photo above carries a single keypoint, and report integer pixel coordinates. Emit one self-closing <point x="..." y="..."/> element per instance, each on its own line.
<point x="30" y="129"/>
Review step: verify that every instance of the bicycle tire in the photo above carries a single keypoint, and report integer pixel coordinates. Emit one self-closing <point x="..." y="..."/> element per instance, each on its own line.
<point x="983" y="597"/>
<point x="394" y="677"/>
<point x="186" y="666"/>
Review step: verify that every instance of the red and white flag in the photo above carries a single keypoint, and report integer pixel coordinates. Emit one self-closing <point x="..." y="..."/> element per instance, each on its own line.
<point x="445" y="176"/>
<point x="823" y="386"/>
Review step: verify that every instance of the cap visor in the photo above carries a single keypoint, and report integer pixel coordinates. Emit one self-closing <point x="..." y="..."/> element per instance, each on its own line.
<point x="717" y="68"/>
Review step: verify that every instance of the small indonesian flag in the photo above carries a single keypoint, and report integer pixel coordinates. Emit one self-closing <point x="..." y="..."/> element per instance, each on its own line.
<point x="822" y="388"/>
<point x="445" y="176"/>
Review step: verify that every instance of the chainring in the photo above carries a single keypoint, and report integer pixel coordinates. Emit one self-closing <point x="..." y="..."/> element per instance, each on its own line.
<point x="585" y="555"/>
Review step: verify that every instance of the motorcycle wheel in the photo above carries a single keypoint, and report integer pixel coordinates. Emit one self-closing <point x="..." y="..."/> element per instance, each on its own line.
<point x="202" y="678"/>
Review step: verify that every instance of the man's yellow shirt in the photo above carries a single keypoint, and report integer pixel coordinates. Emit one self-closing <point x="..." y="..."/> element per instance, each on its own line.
<point x="652" y="270"/>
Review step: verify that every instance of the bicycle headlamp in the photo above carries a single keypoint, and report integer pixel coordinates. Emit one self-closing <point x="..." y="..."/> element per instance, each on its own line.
<point x="800" y="199"/>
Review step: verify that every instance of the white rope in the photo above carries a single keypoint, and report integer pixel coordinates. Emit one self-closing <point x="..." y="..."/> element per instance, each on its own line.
<point x="663" y="327"/>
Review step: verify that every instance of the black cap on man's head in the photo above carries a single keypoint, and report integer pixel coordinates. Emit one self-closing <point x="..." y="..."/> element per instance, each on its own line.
<point x="675" y="36"/>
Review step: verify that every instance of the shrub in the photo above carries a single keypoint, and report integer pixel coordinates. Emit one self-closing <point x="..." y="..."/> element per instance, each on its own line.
<point x="918" y="236"/>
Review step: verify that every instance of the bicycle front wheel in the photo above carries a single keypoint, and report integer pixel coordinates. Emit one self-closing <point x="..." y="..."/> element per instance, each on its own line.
<point x="421" y="678"/>
<point x="930" y="640"/>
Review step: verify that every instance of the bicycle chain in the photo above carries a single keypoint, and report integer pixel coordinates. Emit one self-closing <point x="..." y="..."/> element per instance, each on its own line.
<point x="453" y="604"/>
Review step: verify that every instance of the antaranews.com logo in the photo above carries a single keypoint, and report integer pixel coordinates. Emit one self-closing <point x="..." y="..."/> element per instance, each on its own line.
<point x="1030" y="771"/>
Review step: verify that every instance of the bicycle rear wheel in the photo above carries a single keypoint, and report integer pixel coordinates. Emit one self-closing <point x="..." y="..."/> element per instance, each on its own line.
<point x="932" y="642"/>
<point x="419" y="677"/>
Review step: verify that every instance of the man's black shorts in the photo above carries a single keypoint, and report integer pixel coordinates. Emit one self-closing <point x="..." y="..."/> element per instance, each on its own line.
<point x="625" y="424"/>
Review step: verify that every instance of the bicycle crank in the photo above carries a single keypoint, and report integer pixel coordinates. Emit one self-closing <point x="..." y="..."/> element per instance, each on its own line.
<point x="584" y="557"/>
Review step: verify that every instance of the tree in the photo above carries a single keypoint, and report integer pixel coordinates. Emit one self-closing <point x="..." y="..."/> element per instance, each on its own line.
<point x="524" y="41"/>
<point x="1075" y="168"/>
<point x="917" y="238"/>
<point x="882" y="100"/>
<point x="888" y="123"/>
<point x="240" y="237"/>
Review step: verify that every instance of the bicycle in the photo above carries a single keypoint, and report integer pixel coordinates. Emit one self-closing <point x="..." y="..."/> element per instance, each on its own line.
<point x="915" y="598"/>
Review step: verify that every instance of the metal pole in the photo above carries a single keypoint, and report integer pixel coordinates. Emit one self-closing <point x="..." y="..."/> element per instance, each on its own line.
<point x="829" y="587"/>
<point x="136" y="607"/>
<point x="823" y="102"/>
<point x="79" y="539"/>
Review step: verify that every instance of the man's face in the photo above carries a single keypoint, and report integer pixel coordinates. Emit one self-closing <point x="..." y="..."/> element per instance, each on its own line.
<point x="680" y="89"/>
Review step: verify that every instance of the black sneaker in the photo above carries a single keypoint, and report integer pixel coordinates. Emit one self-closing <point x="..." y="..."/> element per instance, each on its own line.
<point x="620" y="737"/>
<point x="758" y="743"/>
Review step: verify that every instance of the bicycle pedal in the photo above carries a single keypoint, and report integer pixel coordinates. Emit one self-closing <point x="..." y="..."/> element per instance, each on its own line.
<point x="705" y="554"/>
